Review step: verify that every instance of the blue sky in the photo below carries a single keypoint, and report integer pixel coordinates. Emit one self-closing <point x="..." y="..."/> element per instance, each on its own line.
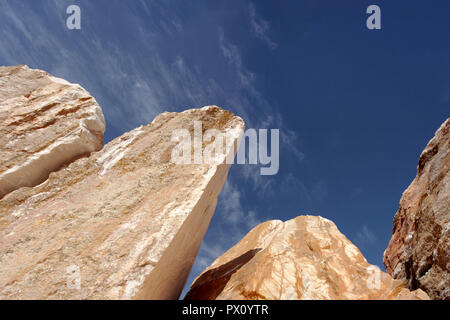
<point x="355" y="107"/>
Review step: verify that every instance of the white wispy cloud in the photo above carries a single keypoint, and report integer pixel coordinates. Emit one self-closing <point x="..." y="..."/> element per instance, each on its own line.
<point x="231" y="53"/>
<point x="232" y="210"/>
<point x="288" y="137"/>
<point x="364" y="237"/>
<point x="260" y="27"/>
<point x="263" y="184"/>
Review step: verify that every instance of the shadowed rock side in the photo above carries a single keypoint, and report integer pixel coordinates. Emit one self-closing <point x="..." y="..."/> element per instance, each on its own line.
<point x="124" y="223"/>
<point x="304" y="258"/>
<point x="419" y="250"/>
<point x="45" y="123"/>
<point x="213" y="281"/>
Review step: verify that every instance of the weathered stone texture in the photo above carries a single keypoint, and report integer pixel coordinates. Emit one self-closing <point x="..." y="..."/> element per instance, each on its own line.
<point x="45" y="123"/>
<point x="419" y="250"/>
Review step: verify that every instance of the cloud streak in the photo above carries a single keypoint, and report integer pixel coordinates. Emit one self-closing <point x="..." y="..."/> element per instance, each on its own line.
<point x="260" y="27"/>
<point x="231" y="53"/>
<point x="364" y="237"/>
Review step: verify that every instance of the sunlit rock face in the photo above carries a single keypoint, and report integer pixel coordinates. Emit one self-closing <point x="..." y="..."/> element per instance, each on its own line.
<point x="419" y="250"/>
<point x="124" y="223"/>
<point x="305" y="258"/>
<point x="45" y="123"/>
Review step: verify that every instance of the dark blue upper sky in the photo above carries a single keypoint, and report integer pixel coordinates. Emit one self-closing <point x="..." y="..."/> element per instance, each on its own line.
<point x="355" y="107"/>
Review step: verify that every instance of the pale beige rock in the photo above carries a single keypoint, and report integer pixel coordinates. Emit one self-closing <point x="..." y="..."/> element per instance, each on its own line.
<point x="125" y="223"/>
<point x="45" y="123"/>
<point x="419" y="250"/>
<point x="305" y="258"/>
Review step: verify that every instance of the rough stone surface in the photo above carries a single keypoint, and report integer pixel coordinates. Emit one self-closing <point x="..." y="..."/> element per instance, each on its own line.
<point x="124" y="223"/>
<point x="419" y="250"/>
<point x="304" y="258"/>
<point x="45" y="123"/>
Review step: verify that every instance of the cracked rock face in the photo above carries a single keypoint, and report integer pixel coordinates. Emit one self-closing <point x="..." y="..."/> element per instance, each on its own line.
<point x="304" y="258"/>
<point x="419" y="250"/>
<point x="45" y="123"/>
<point x="124" y="223"/>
